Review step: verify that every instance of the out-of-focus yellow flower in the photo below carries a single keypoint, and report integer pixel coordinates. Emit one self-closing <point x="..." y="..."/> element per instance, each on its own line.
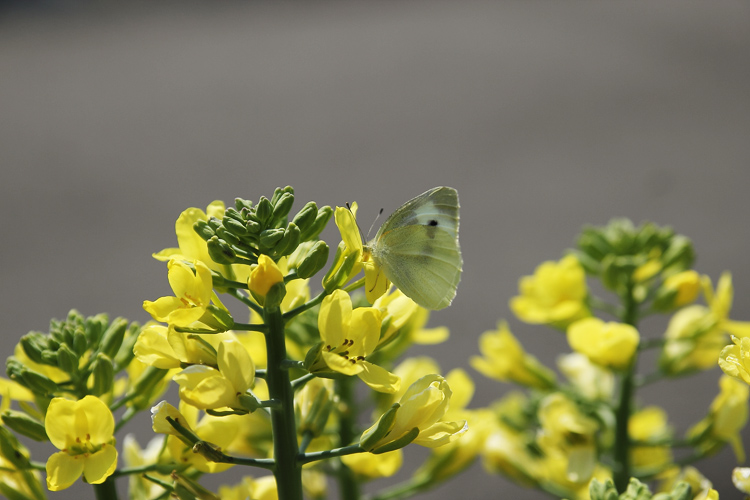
<point x="741" y="479"/>
<point x="368" y="466"/>
<point x="565" y="471"/>
<point x="607" y="344"/>
<point x="590" y="379"/>
<point x="398" y="309"/>
<point x="192" y="294"/>
<point x="417" y="418"/>
<point x="708" y="495"/>
<point x="219" y="431"/>
<point x="504" y="359"/>
<point x="263" y="276"/>
<point x="84" y="431"/>
<point x="349" y="336"/>
<point x="555" y="294"/>
<point x="313" y="405"/>
<point x="726" y="417"/>
<point x="12" y="391"/>
<point x="16" y="482"/>
<point x="700" y="486"/>
<point x="164" y="347"/>
<point x="649" y="424"/>
<point x="262" y="488"/>
<point x="506" y="451"/>
<point x="567" y="434"/>
<point x="696" y="334"/>
<point x="683" y="288"/>
<point x="208" y="388"/>
<point x="734" y="359"/>
<point x="135" y="456"/>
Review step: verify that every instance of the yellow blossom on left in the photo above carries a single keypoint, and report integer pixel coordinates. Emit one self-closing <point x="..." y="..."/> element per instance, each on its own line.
<point x="607" y="344"/>
<point x="192" y="294"/>
<point x="84" y="431"/>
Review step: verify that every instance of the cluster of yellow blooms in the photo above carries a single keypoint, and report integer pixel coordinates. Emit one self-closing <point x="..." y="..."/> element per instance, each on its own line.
<point x="280" y="392"/>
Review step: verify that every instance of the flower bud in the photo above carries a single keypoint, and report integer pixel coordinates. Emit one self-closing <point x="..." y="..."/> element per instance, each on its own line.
<point x="314" y="261"/>
<point x="321" y="220"/>
<point x="102" y="375"/>
<point x="241" y="204"/>
<point x="265" y="276"/>
<point x="37" y="383"/>
<point x="81" y="342"/>
<point x="234" y="226"/>
<point x="14" y="451"/>
<point x="288" y="242"/>
<point x="281" y="208"/>
<point x="33" y="345"/>
<point x="25" y="424"/>
<point x="678" y="290"/>
<point x="220" y="251"/>
<point x="67" y="360"/>
<point x="313" y="405"/>
<point x="113" y="336"/>
<point x="263" y="210"/>
<point x="305" y="218"/>
<point x="269" y="238"/>
<point x="203" y="229"/>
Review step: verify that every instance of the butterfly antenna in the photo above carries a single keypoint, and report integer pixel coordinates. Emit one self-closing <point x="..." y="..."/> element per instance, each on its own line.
<point x="361" y="235"/>
<point x="373" y="222"/>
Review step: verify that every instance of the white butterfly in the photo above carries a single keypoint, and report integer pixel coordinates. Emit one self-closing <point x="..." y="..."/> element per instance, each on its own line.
<point x="417" y="248"/>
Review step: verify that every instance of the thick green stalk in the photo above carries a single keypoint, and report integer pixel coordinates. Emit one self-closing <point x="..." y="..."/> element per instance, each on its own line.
<point x="288" y="471"/>
<point x="627" y="386"/>
<point x="348" y="485"/>
<point x="106" y="490"/>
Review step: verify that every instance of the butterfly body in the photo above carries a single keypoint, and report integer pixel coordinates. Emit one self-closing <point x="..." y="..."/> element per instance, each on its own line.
<point x="417" y="248"/>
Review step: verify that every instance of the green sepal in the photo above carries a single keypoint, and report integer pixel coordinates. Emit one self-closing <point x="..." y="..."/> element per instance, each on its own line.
<point x="49" y="357"/>
<point x="81" y="343"/>
<point x="214" y="223"/>
<point x="26" y="425"/>
<point x="269" y="238"/>
<point x="144" y="386"/>
<point x="242" y="204"/>
<point x="113" y="337"/>
<point x="250" y="402"/>
<point x="223" y="320"/>
<point x="312" y="355"/>
<point x="381" y="429"/>
<point x="314" y="261"/>
<point x="38" y="383"/>
<point x="321" y="220"/>
<point x="398" y="443"/>
<point x="340" y="271"/>
<point x="102" y="375"/>
<point x="253" y="227"/>
<point x="220" y="251"/>
<point x="275" y="295"/>
<point x="126" y="354"/>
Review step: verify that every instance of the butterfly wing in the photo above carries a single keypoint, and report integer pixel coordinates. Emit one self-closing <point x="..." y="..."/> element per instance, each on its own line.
<point x="417" y="248"/>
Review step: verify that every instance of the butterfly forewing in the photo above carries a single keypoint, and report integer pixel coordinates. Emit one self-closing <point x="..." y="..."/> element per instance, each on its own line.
<point x="417" y="248"/>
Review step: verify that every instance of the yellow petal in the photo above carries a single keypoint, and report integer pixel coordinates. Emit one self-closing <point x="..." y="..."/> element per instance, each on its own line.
<point x="379" y="378"/>
<point x="152" y="348"/>
<point x="334" y="318"/>
<point x="236" y="365"/>
<point x="100" y="421"/>
<point x="100" y="465"/>
<point x="63" y="470"/>
<point x="60" y="421"/>
<point x="162" y="307"/>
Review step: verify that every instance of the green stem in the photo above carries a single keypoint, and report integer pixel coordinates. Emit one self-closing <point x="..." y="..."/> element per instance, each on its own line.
<point x="249" y="327"/>
<point x="126" y="417"/>
<point x="135" y="470"/>
<point x="336" y="452"/>
<point x="357" y="284"/>
<point x="245" y="300"/>
<point x="300" y="382"/>
<point x="622" y="416"/>
<point x="288" y="471"/>
<point x="348" y="484"/>
<point x="106" y="490"/>
<point x="405" y="490"/>
<point x="304" y="307"/>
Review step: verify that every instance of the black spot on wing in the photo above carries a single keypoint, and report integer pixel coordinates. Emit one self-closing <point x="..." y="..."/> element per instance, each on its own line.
<point x="433" y="222"/>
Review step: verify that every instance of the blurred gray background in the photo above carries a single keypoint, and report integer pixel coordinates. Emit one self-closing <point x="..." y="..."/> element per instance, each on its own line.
<point x="544" y="115"/>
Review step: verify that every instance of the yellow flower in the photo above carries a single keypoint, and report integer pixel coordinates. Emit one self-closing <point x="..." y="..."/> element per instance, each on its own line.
<point x="192" y="295"/>
<point x="696" y="334"/>
<point x="504" y="359"/>
<point x="84" y="431"/>
<point x="167" y="348"/>
<point x="591" y="380"/>
<point x="685" y="286"/>
<point x="313" y="405"/>
<point x="208" y="388"/>
<point x="219" y="431"/>
<point x="506" y="451"/>
<point x="347" y="262"/>
<point x="555" y="294"/>
<point x="415" y="418"/>
<point x="262" y="488"/>
<point x="264" y="276"/>
<point x="700" y="486"/>
<point x="349" y="336"/>
<point x="368" y="466"/>
<point x="649" y="424"/>
<point x="398" y="311"/>
<point x="12" y="391"/>
<point x="135" y="456"/>
<point x="726" y="417"/>
<point x="607" y="344"/>
<point x="741" y="479"/>
<point x="734" y="359"/>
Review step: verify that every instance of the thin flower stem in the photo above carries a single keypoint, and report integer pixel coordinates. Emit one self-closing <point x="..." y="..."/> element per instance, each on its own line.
<point x="357" y="284"/>
<point x="306" y="458"/>
<point x="405" y="490"/>
<point x="300" y="382"/>
<point x="304" y="307"/>
<point x="600" y="304"/>
<point x="126" y="417"/>
<point x="135" y="470"/>
<point x="250" y="327"/>
<point x="245" y="300"/>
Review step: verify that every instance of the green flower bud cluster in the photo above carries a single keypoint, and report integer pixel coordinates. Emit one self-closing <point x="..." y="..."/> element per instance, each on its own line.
<point x="636" y="490"/>
<point x="88" y="350"/>
<point x="620" y="252"/>
<point x="247" y="231"/>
